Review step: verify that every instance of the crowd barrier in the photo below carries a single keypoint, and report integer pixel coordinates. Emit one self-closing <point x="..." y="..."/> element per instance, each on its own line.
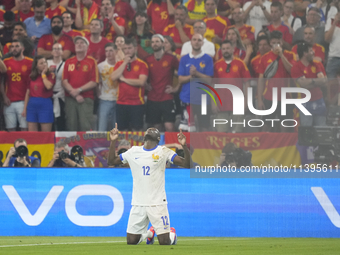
<point x="96" y="202"/>
<point x="267" y="148"/>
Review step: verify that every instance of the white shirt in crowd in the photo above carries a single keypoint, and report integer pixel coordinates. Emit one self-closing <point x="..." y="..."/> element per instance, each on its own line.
<point x="58" y="89"/>
<point x="148" y="173"/>
<point x="297" y="22"/>
<point x="334" y="49"/>
<point x="331" y="13"/>
<point x="208" y="48"/>
<point x="256" y="16"/>
<point x="108" y="88"/>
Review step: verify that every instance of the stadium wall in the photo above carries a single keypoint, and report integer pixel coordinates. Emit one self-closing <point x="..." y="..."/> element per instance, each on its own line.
<point x="96" y="202"/>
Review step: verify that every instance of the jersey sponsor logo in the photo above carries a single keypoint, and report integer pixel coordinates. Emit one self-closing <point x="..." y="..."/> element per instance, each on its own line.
<point x="313" y="69"/>
<point x="220" y="69"/>
<point x="172" y="35"/>
<point x="85" y="68"/>
<point x="24" y="68"/>
<point x="48" y="43"/>
<point x="155" y="157"/>
<point x="136" y="68"/>
<point x="9" y="68"/>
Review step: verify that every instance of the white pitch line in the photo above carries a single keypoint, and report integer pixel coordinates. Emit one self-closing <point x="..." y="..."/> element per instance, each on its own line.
<point x="46" y="244"/>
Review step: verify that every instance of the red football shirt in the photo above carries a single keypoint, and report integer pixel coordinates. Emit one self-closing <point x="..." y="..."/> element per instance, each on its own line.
<point x="161" y="73"/>
<point x="78" y="73"/>
<point x="18" y="73"/>
<point x="73" y="33"/>
<point x="237" y="75"/>
<point x="310" y="72"/>
<point x="6" y="48"/>
<point x="20" y="16"/>
<point x="286" y="36"/>
<point x="38" y="89"/>
<point x="97" y="50"/>
<point x="124" y="10"/>
<point x="159" y="16"/>
<point x="215" y="26"/>
<point x="255" y="62"/>
<point x="49" y="13"/>
<point x="319" y="51"/>
<point x="109" y="29"/>
<point x="46" y="42"/>
<point x="172" y="31"/>
<point x="127" y="94"/>
<point x="268" y="58"/>
<point x="2" y="12"/>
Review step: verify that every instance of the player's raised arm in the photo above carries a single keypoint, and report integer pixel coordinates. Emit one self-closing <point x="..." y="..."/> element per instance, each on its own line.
<point x="185" y="162"/>
<point x="113" y="160"/>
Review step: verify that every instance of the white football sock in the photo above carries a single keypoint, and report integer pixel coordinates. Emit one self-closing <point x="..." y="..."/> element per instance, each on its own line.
<point x="149" y="234"/>
<point x="172" y="237"/>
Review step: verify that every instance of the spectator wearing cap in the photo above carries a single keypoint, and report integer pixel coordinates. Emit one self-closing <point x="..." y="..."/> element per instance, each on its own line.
<point x="311" y="75"/>
<point x="313" y="18"/>
<point x="327" y="10"/>
<point x="97" y="42"/>
<point x="46" y="41"/>
<point x="160" y="107"/>
<point x="38" y="25"/>
<point x="6" y="31"/>
<point x="200" y="27"/>
<point x="80" y="78"/>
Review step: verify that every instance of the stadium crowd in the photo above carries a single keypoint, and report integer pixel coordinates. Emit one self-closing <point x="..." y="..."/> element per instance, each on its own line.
<point x="81" y="65"/>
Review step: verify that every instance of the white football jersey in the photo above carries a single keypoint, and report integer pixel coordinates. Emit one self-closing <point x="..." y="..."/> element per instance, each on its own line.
<point x="148" y="173"/>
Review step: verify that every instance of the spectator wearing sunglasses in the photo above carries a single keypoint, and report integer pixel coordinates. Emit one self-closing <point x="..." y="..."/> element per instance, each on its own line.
<point x="131" y="74"/>
<point x="235" y="70"/>
<point x="80" y="78"/>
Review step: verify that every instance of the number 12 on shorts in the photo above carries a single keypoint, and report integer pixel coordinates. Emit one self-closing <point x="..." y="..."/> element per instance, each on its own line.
<point x="146" y="170"/>
<point x="165" y="221"/>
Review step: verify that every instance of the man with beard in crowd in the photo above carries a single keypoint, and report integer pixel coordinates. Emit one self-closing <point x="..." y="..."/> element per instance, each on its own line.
<point x="46" y="41"/>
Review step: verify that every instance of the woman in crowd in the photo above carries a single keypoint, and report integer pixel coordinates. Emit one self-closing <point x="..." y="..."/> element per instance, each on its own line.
<point x="119" y="42"/>
<point x="170" y="46"/>
<point x="141" y="31"/>
<point x="38" y="102"/>
<point x="56" y="65"/>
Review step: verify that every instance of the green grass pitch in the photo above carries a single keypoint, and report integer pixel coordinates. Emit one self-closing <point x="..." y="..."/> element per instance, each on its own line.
<point x="18" y="245"/>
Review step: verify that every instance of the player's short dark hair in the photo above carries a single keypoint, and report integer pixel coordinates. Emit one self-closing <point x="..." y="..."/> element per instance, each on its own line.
<point x="9" y="16"/>
<point x="132" y="41"/>
<point x="171" y="41"/>
<point x="303" y="47"/>
<point x="100" y="22"/>
<point x="275" y="35"/>
<point x="19" y="41"/>
<point x="110" y="44"/>
<point x="277" y="5"/>
<point x="182" y="7"/>
<point x="19" y="140"/>
<point x="20" y="23"/>
<point x="261" y="38"/>
<point x="226" y="42"/>
<point x="57" y="17"/>
<point x="39" y="3"/>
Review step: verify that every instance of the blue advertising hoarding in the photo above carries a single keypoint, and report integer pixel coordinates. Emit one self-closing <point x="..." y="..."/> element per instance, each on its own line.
<point x="96" y="202"/>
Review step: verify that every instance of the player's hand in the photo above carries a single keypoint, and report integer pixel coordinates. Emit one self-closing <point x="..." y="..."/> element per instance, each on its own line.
<point x="169" y="89"/>
<point x="181" y="138"/>
<point x="148" y="86"/>
<point x="193" y="70"/>
<point x="126" y="59"/>
<point x="178" y="24"/>
<point x="122" y="78"/>
<point x="7" y="101"/>
<point x="278" y="50"/>
<point x="69" y="162"/>
<point x="114" y="133"/>
<point x="55" y="156"/>
<point x="249" y="49"/>
<point x="78" y="3"/>
<point x="45" y="70"/>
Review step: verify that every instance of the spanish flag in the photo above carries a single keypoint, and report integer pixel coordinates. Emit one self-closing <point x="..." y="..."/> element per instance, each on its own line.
<point x="90" y="14"/>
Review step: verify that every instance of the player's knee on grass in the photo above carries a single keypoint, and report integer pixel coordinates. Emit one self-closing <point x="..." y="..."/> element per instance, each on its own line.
<point x="164" y="239"/>
<point x="132" y="239"/>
